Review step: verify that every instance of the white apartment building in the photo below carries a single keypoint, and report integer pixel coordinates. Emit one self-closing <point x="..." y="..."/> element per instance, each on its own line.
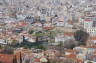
<point x="91" y="31"/>
<point x="90" y="25"/>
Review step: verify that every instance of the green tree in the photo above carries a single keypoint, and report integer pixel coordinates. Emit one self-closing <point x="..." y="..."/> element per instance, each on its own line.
<point x="26" y="46"/>
<point x="41" y="47"/>
<point x="89" y="62"/>
<point x="81" y="37"/>
<point x="8" y="50"/>
<point x="38" y="35"/>
<point x="60" y="45"/>
<point x="70" y="44"/>
<point x="31" y="31"/>
<point x="0" y="47"/>
<point x="1" y="62"/>
<point x="14" y="42"/>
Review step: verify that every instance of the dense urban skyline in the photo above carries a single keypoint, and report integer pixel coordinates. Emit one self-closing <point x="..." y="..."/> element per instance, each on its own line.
<point x="47" y="31"/>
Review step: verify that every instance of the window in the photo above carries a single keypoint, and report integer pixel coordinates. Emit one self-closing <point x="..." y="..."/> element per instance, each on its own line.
<point x="1" y="3"/>
<point x="94" y="24"/>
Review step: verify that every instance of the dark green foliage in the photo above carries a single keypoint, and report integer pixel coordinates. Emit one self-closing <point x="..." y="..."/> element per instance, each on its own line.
<point x="26" y="46"/>
<point x="72" y="46"/>
<point x="41" y="47"/>
<point x="89" y="62"/>
<point x="81" y="36"/>
<point x="0" y="47"/>
<point x="8" y="50"/>
<point x="31" y="31"/>
<point x="60" y="44"/>
<point x="1" y="62"/>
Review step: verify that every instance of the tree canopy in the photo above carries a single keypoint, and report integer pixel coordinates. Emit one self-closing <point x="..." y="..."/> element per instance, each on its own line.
<point x="81" y="36"/>
<point x="89" y="62"/>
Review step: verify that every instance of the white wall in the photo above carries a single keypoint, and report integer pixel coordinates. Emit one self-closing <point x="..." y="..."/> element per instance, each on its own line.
<point x="91" y="61"/>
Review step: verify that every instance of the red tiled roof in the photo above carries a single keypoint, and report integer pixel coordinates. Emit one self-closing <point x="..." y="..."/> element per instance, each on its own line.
<point x="93" y="38"/>
<point x="68" y="34"/>
<point x="91" y="46"/>
<point x="71" y="56"/>
<point x="88" y="46"/>
<point x="6" y="58"/>
<point x="72" y="51"/>
<point x="61" y="19"/>
<point x="88" y="20"/>
<point x="48" y="28"/>
<point x="37" y="60"/>
<point x="70" y="22"/>
<point x="18" y="56"/>
<point x="79" y="61"/>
